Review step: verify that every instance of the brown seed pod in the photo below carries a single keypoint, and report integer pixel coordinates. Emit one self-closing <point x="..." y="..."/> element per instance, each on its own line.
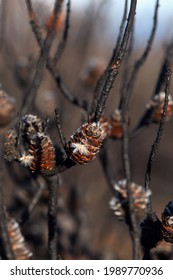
<point x="139" y="195"/>
<point x="7" y="108"/>
<point x="10" y="149"/>
<point x="116" y="129"/>
<point x="167" y="222"/>
<point x="85" y="143"/>
<point x="41" y="154"/>
<point x="19" y="248"/>
<point x="104" y="124"/>
<point x="30" y="126"/>
<point x="157" y="103"/>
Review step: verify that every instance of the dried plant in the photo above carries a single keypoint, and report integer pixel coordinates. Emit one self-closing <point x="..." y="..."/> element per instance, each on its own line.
<point x="36" y="155"/>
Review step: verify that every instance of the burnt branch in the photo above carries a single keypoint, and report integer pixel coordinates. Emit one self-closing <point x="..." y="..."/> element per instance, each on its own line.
<point x="116" y="63"/>
<point x="58" y="125"/>
<point x="53" y="185"/>
<point x="156" y="143"/>
<point x="138" y="64"/>
<point x="146" y="118"/>
<point x="30" y="96"/>
<point x="115" y="51"/>
<point x="50" y="65"/>
<point x="5" y="245"/>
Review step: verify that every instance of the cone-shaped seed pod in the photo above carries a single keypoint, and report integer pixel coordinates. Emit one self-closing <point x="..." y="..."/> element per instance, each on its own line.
<point x="30" y="125"/>
<point x="116" y="129"/>
<point x="85" y="143"/>
<point x="19" y="248"/>
<point x="167" y="222"/>
<point x="10" y="149"/>
<point x="104" y="124"/>
<point x="116" y="206"/>
<point x="7" y="108"/>
<point x="157" y="103"/>
<point x="139" y="195"/>
<point x="41" y="154"/>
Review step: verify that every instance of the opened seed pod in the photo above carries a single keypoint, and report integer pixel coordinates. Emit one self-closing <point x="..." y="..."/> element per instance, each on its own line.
<point x="116" y="128"/>
<point x="104" y="124"/>
<point x="156" y="105"/>
<point x="10" y="143"/>
<point x="41" y="154"/>
<point x="19" y="248"/>
<point x="139" y="195"/>
<point x="167" y="222"/>
<point x="85" y="143"/>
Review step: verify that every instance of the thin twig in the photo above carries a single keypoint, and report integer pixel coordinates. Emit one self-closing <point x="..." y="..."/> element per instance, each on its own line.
<point x="146" y="118"/>
<point x="5" y="246"/>
<point x="58" y="125"/>
<point x="29" y="210"/>
<point x="53" y="185"/>
<point x="156" y="143"/>
<point x="50" y="64"/>
<point x="30" y="96"/>
<point x="116" y="63"/>
<point x="115" y="51"/>
<point x="63" y="42"/>
<point x="138" y="64"/>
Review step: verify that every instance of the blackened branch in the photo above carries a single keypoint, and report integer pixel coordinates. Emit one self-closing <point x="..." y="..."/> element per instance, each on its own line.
<point x="155" y="146"/>
<point x="58" y="125"/>
<point x="50" y="65"/>
<point x="109" y="78"/>
<point x="138" y="64"/>
<point x="30" y="96"/>
<point x="53" y="185"/>
<point x="115" y="51"/>
<point x="6" y="252"/>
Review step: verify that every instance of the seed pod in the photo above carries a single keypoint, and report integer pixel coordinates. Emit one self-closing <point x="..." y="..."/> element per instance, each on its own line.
<point x="116" y="129"/>
<point x="7" y="108"/>
<point x="157" y="103"/>
<point x="116" y="206"/>
<point x="19" y="248"/>
<point x="104" y="124"/>
<point x="30" y="126"/>
<point x="41" y="154"/>
<point x="85" y="143"/>
<point x="167" y="222"/>
<point x="10" y="149"/>
<point x="139" y="195"/>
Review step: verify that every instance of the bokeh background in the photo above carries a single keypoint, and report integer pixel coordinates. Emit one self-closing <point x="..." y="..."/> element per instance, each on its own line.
<point x="88" y="228"/>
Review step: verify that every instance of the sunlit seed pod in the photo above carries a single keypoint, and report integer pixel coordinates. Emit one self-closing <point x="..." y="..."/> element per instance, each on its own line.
<point x="10" y="142"/>
<point x="116" y="129"/>
<point x="92" y="72"/>
<point x="7" y="108"/>
<point x="157" y="103"/>
<point x="139" y="195"/>
<point x="19" y="248"/>
<point x="85" y="143"/>
<point x="167" y="222"/>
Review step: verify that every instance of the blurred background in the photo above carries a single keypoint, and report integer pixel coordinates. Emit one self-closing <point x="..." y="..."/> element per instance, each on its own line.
<point x="87" y="226"/>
